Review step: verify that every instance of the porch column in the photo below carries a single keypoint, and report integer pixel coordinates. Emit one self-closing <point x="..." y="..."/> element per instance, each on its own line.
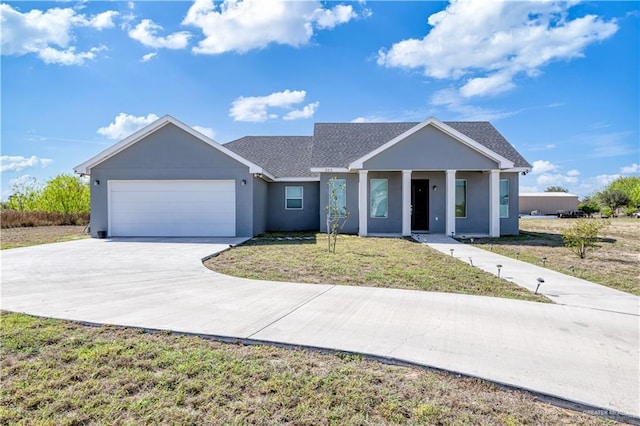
<point x="450" y="210"/>
<point x="406" y="203"/>
<point x="494" y="203"/>
<point x="362" y="203"/>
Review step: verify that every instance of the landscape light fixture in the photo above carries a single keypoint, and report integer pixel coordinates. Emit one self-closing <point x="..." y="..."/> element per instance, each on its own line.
<point x="540" y="281"/>
<point x="572" y="269"/>
<point x="499" y="267"/>
<point x="517" y="255"/>
<point x="544" y="261"/>
<point x="451" y="250"/>
<point x="452" y="234"/>
<point x="471" y="261"/>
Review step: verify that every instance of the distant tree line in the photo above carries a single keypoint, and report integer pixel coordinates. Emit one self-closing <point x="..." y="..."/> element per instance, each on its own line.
<point x="65" y="194"/>
<point x="620" y="196"/>
<point x="62" y="200"/>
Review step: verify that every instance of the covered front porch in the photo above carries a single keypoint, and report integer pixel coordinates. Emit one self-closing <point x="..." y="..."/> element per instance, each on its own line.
<point x="451" y="202"/>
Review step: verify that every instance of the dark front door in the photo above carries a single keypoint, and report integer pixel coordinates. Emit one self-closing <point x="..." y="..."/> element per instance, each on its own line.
<point x="420" y="205"/>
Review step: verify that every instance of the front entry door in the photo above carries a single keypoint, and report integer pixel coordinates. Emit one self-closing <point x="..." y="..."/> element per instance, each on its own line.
<point x="420" y="204"/>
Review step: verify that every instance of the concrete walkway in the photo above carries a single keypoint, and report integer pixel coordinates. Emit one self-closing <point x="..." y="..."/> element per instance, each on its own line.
<point x="561" y="288"/>
<point x="585" y="355"/>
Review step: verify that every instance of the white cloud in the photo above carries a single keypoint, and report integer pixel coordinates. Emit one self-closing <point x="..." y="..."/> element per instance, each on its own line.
<point x="240" y="26"/>
<point x="329" y="18"/>
<point x="16" y="163"/>
<point x="556" y="179"/>
<point x="49" y="34"/>
<point x="125" y="124"/>
<point x="207" y="131"/>
<point x="255" y="108"/>
<point x="573" y="172"/>
<point x="306" y="112"/>
<point x="543" y="166"/>
<point x="370" y="119"/>
<point x="634" y="168"/>
<point x="149" y="56"/>
<point x="486" y="45"/>
<point x="146" y="33"/>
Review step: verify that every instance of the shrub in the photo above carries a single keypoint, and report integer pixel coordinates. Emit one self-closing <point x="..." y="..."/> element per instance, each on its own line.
<point x="606" y="211"/>
<point x="20" y="219"/>
<point x="583" y="236"/>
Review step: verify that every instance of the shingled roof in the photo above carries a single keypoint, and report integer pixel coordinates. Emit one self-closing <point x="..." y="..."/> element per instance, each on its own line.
<point x="339" y="144"/>
<point x="282" y="156"/>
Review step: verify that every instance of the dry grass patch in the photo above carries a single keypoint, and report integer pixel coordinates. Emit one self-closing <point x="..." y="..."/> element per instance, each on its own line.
<point x="58" y="372"/>
<point x="615" y="263"/>
<point x="373" y="262"/>
<point x="22" y="237"/>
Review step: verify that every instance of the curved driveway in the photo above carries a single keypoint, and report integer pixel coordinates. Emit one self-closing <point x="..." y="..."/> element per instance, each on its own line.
<point x="578" y="354"/>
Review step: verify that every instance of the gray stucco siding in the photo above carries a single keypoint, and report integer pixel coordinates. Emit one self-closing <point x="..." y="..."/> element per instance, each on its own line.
<point x="282" y="219"/>
<point x="477" y="219"/>
<point x="511" y="225"/>
<point x="172" y="154"/>
<point x="429" y="148"/>
<point x="260" y="205"/>
<point x="351" y="225"/>
<point x="393" y="222"/>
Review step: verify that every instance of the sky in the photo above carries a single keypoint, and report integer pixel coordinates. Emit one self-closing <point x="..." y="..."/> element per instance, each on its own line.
<point x="558" y="79"/>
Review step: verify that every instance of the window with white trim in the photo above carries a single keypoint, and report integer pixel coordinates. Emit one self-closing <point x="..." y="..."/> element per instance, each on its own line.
<point x="339" y="188"/>
<point x="504" y="198"/>
<point x="461" y="198"/>
<point x="293" y="197"/>
<point x="379" y="197"/>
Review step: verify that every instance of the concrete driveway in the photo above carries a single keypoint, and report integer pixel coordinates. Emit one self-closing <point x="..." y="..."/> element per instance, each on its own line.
<point x="579" y="354"/>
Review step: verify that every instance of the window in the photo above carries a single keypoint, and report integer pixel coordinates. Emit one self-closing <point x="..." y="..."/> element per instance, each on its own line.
<point x="293" y="197"/>
<point x="461" y="198"/>
<point x="379" y="197"/>
<point x="504" y="198"/>
<point x="338" y="187"/>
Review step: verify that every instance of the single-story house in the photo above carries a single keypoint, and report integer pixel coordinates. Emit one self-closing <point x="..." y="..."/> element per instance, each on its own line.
<point x="547" y="203"/>
<point x="168" y="179"/>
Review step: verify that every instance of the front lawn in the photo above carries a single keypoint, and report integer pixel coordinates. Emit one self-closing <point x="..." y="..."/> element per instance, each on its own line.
<point x="63" y="373"/>
<point x="615" y="263"/>
<point x="373" y="262"/>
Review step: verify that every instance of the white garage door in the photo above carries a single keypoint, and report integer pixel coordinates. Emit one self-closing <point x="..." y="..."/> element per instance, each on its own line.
<point x="182" y="208"/>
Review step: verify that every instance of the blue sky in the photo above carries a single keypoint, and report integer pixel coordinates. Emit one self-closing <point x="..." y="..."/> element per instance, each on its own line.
<point x="558" y="79"/>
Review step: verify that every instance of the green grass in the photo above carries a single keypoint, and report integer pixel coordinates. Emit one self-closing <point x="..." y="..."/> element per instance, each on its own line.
<point x="614" y="263"/>
<point x="375" y="262"/>
<point x="55" y="372"/>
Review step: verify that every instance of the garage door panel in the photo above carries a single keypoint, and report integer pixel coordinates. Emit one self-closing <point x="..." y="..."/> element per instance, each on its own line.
<point x="172" y="208"/>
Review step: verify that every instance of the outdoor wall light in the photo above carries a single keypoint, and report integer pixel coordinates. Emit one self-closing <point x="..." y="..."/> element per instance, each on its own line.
<point x="540" y="281"/>
<point x="244" y="181"/>
<point x="96" y="182"/>
<point x="434" y="187"/>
